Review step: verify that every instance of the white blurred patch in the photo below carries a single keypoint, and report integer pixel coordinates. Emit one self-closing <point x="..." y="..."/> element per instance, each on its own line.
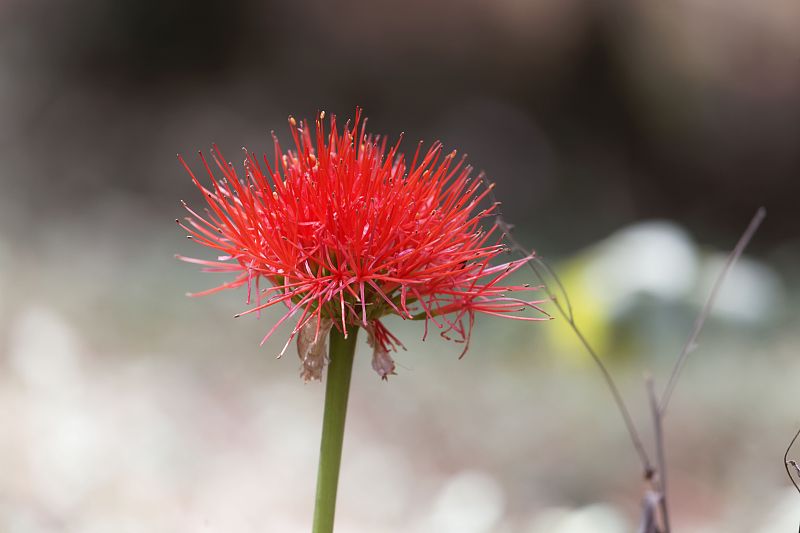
<point x="751" y="292"/>
<point x="44" y="351"/>
<point x="470" y="502"/>
<point x="63" y="434"/>
<point x="659" y="259"/>
<point x="64" y="453"/>
<point x="785" y="514"/>
<point x="379" y="474"/>
<point x="18" y="519"/>
<point x="594" y="518"/>
<point x="655" y="258"/>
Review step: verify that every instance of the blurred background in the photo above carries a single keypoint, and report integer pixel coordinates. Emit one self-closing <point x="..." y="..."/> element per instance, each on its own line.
<point x="631" y="142"/>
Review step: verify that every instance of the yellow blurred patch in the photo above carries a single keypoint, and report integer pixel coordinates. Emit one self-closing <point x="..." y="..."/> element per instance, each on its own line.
<point x="590" y="315"/>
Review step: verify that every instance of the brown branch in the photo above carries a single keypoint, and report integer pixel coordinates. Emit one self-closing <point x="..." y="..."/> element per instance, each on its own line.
<point x="566" y="311"/>
<point x="658" y="432"/>
<point x="690" y="344"/>
<point x="787" y="462"/>
<point x="649" y="521"/>
<point x="658" y="409"/>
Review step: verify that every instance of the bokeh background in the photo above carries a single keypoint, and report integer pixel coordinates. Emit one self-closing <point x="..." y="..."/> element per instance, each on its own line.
<point x="631" y="142"/>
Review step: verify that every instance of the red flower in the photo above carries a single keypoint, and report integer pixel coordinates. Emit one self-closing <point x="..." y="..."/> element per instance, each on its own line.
<point x="346" y="231"/>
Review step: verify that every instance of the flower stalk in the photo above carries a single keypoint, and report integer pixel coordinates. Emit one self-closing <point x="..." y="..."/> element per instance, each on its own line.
<point x="342" y="350"/>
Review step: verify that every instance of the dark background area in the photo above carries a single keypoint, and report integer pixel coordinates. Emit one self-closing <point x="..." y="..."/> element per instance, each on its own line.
<point x="588" y="115"/>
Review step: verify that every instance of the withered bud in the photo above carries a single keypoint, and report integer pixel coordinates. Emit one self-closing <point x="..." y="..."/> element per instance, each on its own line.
<point x="312" y="348"/>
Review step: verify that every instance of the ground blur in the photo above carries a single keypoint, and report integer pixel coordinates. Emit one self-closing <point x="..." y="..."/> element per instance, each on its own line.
<point x="630" y="145"/>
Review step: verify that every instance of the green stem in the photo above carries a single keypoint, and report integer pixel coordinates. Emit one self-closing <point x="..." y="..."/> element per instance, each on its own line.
<point x="330" y="455"/>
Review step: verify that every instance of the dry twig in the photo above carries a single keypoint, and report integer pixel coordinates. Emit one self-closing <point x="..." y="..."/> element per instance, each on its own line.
<point x="660" y="479"/>
<point x="542" y="270"/>
<point x="691" y="342"/>
<point x="788" y="462"/>
<point x="658" y="410"/>
<point x="653" y="498"/>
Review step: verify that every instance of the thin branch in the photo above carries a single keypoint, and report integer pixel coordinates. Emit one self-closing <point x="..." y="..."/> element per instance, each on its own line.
<point x="542" y="271"/>
<point x="787" y="462"/>
<point x="649" y="522"/>
<point x="690" y="345"/>
<point x="658" y="432"/>
<point x="552" y="274"/>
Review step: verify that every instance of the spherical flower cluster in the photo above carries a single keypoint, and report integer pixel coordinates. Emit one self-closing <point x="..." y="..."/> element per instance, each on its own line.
<point x="344" y="230"/>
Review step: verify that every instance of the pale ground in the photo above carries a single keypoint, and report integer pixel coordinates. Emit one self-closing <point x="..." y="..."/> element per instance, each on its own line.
<point x="126" y="407"/>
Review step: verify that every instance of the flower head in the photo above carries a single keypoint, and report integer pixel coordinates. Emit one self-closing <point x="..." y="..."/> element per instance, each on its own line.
<point x="345" y="230"/>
